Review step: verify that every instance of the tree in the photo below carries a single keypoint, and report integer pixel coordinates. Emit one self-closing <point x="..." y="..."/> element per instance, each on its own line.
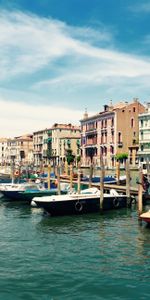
<point x="78" y="158"/>
<point x="121" y="157"/>
<point x="70" y="157"/>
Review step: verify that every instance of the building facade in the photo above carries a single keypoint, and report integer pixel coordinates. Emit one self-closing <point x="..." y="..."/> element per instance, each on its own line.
<point x="52" y="144"/>
<point x="111" y="132"/>
<point x="20" y="150"/>
<point x="144" y="136"/>
<point x="3" y="148"/>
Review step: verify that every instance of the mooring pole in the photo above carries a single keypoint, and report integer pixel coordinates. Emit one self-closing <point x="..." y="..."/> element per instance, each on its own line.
<point x="118" y="171"/>
<point x="58" y="179"/>
<point x="101" y="182"/>
<point x="91" y="175"/>
<point x="140" y="194"/>
<point x="48" y="176"/>
<point x="66" y="167"/>
<point x="128" y="182"/>
<point x="71" y="177"/>
<point x="79" y="179"/>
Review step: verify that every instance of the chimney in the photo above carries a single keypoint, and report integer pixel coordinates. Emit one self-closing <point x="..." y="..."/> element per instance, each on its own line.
<point x="85" y="116"/>
<point x="135" y="99"/>
<point x="110" y="105"/>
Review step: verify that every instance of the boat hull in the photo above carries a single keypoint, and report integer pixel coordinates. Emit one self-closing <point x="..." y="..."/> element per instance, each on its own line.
<point x="27" y="196"/>
<point x="82" y="206"/>
<point x="145" y="217"/>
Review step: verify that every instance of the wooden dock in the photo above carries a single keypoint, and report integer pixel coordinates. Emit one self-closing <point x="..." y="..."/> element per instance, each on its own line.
<point x="107" y="187"/>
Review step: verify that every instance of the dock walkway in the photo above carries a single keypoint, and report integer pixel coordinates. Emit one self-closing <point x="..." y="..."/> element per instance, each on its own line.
<point x="107" y="187"/>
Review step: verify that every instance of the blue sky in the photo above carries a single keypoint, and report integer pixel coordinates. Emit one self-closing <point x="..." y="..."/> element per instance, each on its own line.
<point x="58" y="57"/>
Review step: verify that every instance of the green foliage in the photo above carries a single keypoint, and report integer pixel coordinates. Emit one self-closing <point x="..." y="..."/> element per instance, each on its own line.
<point x="78" y="158"/>
<point x="121" y="156"/>
<point x="70" y="157"/>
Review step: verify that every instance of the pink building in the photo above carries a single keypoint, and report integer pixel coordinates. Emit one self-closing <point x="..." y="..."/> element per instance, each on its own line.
<point x="112" y="131"/>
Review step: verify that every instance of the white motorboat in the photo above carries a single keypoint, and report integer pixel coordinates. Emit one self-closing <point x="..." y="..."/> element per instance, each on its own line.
<point x="88" y="201"/>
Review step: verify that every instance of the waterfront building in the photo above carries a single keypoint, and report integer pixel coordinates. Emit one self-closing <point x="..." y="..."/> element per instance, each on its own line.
<point x="24" y="149"/>
<point x="52" y="144"/>
<point x="19" y="150"/>
<point x="3" y="147"/>
<point x="38" y="147"/>
<point x="144" y="136"/>
<point x="65" y="137"/>
<point x="115" y="130"/>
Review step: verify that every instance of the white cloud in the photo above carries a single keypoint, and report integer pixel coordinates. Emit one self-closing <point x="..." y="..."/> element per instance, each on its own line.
<point x="141" y="7"/>
<point x="29" y="44"/>
<point x="20" y="118"/>
<point x="60" y="64"/>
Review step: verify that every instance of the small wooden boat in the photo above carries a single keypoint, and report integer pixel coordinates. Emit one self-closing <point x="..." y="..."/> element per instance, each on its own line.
<point x="145" y="217"/>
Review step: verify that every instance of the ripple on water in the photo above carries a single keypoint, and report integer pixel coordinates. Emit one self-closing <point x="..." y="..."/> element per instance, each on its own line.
<point x="98" y="256"/>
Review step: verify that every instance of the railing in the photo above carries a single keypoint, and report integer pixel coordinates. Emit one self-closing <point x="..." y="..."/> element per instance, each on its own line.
<point x="120" y="144"/>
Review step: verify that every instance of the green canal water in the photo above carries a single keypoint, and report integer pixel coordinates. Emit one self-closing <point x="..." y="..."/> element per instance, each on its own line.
<point x="92" y="257"/>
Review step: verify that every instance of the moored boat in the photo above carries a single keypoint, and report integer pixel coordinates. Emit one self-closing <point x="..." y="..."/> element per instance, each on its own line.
<point x="88" y="201"/>
<point x="145" y="217"/>
<point x="26" y="192"/>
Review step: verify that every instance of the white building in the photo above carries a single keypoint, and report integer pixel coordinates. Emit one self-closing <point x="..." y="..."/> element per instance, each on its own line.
<point x="3" y="148"/>
<point x="144" y="136"/>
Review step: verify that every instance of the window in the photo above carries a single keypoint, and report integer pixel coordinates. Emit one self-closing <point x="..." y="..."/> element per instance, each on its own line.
<point x="132" y="123"/>
<point x="119" y="137"/>
<point x="133" y="109"/>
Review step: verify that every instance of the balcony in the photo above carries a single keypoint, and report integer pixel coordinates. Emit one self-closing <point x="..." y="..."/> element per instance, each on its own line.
<point x="144" y="151"/>
<point x="37" y="151"/>
<point x="143" y="140"/>
<point x="91" y="131"/>
<point x="91" y="145"/>
<point x="104" y="129"/>
<point x="135" y="142"/>
<point x="120" y="144"/>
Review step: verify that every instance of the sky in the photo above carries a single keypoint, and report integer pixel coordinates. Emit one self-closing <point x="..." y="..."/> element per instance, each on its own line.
<point x="59" y="58"/>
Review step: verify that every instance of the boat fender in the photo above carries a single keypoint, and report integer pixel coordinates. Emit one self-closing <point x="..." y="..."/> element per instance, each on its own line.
<point x="116" y="202"/>
<point x="78" y="206"/>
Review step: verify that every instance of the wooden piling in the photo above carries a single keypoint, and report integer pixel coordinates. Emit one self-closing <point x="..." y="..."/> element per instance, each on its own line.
<point x="58" y="180"/>
<point x="71" y="177"/>
<point x="48" y="177"/>
<point x="79" y="178"/>
<point x="102" y="173"/>
<point x="128" y="182"/>
<point x="140" y="194"/>
<point x="118" y="172"/>
<point x="66" y="167"/>
<point x="91" y="175"/>
<point x="12" y="171"/>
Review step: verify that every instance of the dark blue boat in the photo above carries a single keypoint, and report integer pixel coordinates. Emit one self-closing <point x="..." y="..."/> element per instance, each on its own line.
<point x="88" y="201"/>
